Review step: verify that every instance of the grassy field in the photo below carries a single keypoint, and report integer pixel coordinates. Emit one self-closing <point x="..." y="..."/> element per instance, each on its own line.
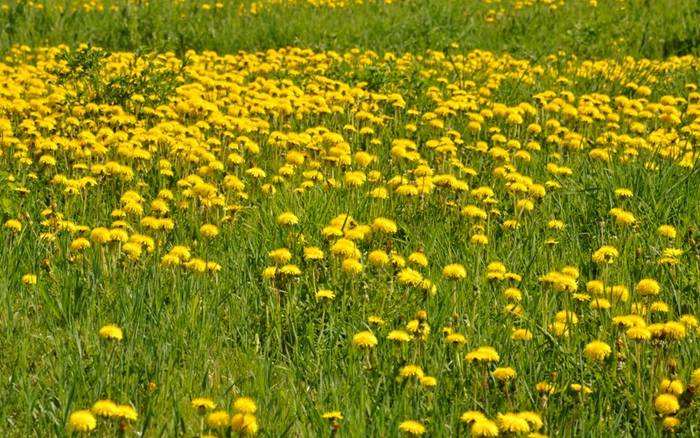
<point x="525" y="28"/>
<point x="442" y="218"/>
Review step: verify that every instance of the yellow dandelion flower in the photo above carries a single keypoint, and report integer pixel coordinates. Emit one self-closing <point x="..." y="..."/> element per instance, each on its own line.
<point x="470" y="417"/>
<point x="82" y="421"/>
<point x="647" y="286"/>
<point x="504" y="374"/>
<point x="104" y="408"/>
<point x="313" y="253"/>
<point x="399" y="336"/>
<point x="428" y="382"/>
<point x="454" y="271"/>
<point x="364" y="339"/>
<point x="483" y="354"/>
<point x="218" y="419"/>
<point x="111" y="332"/>
<point x="13" y="225"/>
<point x="666" y="404"/>
<point x="209" y="231"/>
<point x="512" y="423"/>
<point x="521" y="334"/>
<point x="332" y="415"/>
<point x="325" y="295"/>
<point x="79" y="244"/>
<point x="384" y="225"/>
<point x="244" y="424"/>
<point x="670" y="423"/>
<point x="245" y="405"/>
<point x="126" y="412"/>
<point x="597" y="350"/>
<point x="411" y="427"/>
<point x="668" y="231"/>
<point x="411" y="371"/>
<point x="287" y="218"/>
<point x="202" y="404"/>
<point x="605" y="254"/>
<point x="484" y="428"/>
<point x="533" y="419"/>
<point x="544" y="388"/>
<point x="29" y="279"/>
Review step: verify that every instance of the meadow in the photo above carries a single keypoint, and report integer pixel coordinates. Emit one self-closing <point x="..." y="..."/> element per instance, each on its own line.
<point x="350" y="218"/>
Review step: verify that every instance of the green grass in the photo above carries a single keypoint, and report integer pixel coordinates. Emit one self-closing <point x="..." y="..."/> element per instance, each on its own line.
<point x="639" y="28"/>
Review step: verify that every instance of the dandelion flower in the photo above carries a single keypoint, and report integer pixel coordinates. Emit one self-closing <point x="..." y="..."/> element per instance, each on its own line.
<point x="533" y="419"/>
<point x="454" y="271"/>
<point x="484" y="427"/>
<point x="111" y="332"/>
<point x="352" y="266"/>
<point x="82" y="421"/>
<point x="411" y="371"/>
<point x="666" y="404"/>
<point x="244" y="424"/>
<point x="378" y="258"/>
<point x="364" y="339"/>
<point x="597" y="350"/>
<point x="29" y="279"/>
<point x="79" y="244"/>
<point x="580" y="389"/>
<point x="428" y="381"/>
<point x="544" y="388"/>
<point x="384" y="225"/>
<point x="504" y="374"/>
<point x="521" y="334"/>
<point x="647" y="286"/>
<point x="483" y="354"/>
<point x="280" y="255"/>
<point x="104" y="408"/>
<point x="218" y="419"/>
<point x="13" y="225"/>
<point x="399" y="336"/>
<point x="313" y="253"/>
<point x="605" y="254"/>
<point x="411" y="427"/>
<point x="325" y="295"/>
<point x="203" y="404"/>
<point x="245" y="405"/>
<point x="512" y="423"/>
<point x="287" y="218"/>
<point x="126" y="412"/>
<point x="670" y="423"/>
<point x="638" y="333"/>
<point x="667" y="231"/>
<point x="209" y="231"/>
<point x="332" y="415"/>
<point x="471" y="416"/>
<point x="455" y="339"/>
<point x="695" y="377"/>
